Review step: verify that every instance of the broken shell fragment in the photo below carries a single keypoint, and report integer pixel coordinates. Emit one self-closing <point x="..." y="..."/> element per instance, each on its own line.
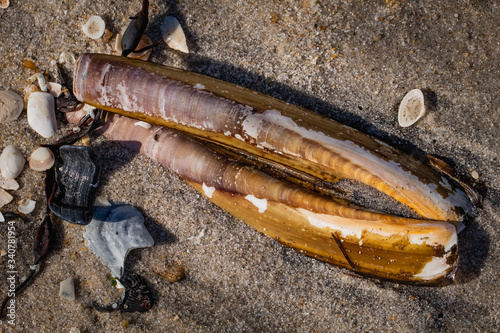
<point x="5" y="197"/>
<point x="8" y="184"/>
<point x="94" y="28"/>
<point x="67" y="289"/>
<point x="77" y="178"/>
<point x="26" y="206"/>
<point x="11" y="162"/>
<point x="42" y="159"/>
<point x="412" y="108"/>
<point x="113" y="232"/>
<point x="173" y="34"/>
<point x="42" y="114"/>
<point x="55" y="89"/>
<point x="11" y="106"/>
<point x="144" y="42"/>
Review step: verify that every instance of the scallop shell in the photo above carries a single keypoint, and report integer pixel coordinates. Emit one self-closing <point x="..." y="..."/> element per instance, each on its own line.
<point x="42" y="159"/>
<point x="113" y="232"/>
<point x="94" y="28"/>
<point x="77" y="177"/>
<point x="42" y="114"/>
<point x="145" y="41"/>
<point x="11" y="106"/>
<point x="11" y="162"/>
<point x="412" y="108"/>
<point x="173" y="34"/>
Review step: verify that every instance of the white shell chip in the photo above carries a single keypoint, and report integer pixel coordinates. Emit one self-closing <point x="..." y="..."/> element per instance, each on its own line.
<point x="412" y="108"/>
<point x="94" y="28"/>
<point x="173" y="34"/>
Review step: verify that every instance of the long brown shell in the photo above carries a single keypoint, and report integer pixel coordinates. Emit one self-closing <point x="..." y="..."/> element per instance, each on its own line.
<point x="241" y="121"/>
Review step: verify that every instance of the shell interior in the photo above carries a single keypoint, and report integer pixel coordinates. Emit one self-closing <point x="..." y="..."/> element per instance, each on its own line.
<point x="113" y="232"/>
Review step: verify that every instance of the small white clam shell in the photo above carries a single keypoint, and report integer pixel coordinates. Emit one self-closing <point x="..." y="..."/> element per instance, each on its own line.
<point x="26" y="206"/>
<point x="173" y="34"/>
<point x="11" y="162"/>
<point x="5" y="197"/>
<point x="42" y="114"/>
<point x="41" y="159"/>
<point x="94" y="28"/>
<point x="412" y="108"/>
<point x="11" y="106"/>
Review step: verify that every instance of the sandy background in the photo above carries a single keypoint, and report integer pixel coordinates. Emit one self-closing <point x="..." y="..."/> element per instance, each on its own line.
<point x="351" y="61"/>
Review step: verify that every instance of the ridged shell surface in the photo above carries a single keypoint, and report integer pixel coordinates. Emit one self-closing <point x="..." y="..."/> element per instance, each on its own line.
<point x="77" y="177"/>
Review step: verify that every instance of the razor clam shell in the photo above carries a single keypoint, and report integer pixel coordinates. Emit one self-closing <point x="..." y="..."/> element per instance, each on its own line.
<point x="389" y="247"/>
<point x="113" y="232"/>
<point x="77" y="177"/>
<point x="244" y="120"/>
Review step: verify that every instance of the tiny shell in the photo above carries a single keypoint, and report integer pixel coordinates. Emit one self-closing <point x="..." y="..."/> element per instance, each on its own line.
<point x="11" y="162"/>
<point x="173" y="34"/>
<point x="11" y="106"/>
<point x="5" y="197"/>
<point x="94" y="28"/>
<point x="42" y="159"/>
<point x="67" y="289"/>
<point x="54" y="88"/>
<point x="41" y="113"/>
<point x="4" y="4"/>
<point x="67" y="58"/>
<point x="145" y="41"/>
<point x="8" y="184"/>
<point x="412" y="108"/>
<point x="26" y="206"/>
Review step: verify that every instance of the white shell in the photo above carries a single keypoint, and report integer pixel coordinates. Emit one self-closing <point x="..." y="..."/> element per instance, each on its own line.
<point x="67" y="58"/>
<point x="8" y="184"/>
<point x="41" y="159"/>
<point x="11" y="106"/>
<point x="113" y="232"/>
<point x="173" y="34"/>
<point x="11" y="162"/>
<point x="26" y="206"/>
<point x="54" y="88"/>
<point x="94" y="28"/>
<point x="42" y="114"/>
<point x="5" y="197"/>
<point x="4" y="4"/>
<point x="67" y="289"/>
<point x="412" y="108"/>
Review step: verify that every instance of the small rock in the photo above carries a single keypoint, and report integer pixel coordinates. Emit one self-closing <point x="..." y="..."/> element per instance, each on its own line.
<point x="3" y="253"/>
<point x="170" y="272"/>
<point x="124" y="323"/>
<point x="474" y="174"/>
<point x="176" y="317"/>
<point x="67" y="289"/>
